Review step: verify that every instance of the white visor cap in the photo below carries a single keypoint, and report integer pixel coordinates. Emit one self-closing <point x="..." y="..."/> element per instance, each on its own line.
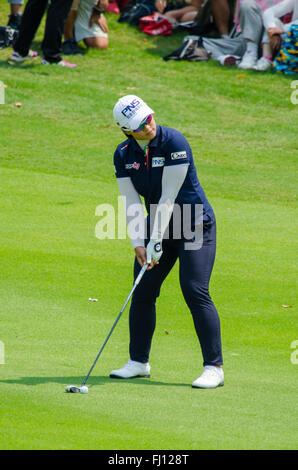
<point x="130" y="111"/>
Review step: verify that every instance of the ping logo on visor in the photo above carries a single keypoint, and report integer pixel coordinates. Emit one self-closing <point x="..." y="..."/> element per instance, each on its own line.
<point x="131" y="108"/>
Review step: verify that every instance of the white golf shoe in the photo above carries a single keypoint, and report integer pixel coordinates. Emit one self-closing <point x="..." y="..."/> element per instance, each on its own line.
<point x="249" y="61"/>
<point x="131" y="370"/>
<point x="211" y="377"/>
<point x="263" y="64"/>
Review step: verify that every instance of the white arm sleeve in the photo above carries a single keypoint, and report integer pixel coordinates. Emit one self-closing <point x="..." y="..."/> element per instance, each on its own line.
<point x="134" y="212"/>
<point x="271" y="15"/>
<point x="172" y="180"/>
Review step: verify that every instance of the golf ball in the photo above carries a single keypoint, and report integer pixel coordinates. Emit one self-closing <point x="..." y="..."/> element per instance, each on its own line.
<point x="84" y="389"/>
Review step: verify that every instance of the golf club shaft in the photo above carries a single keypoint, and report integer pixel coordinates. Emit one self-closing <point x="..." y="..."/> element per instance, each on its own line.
<point x="139" y="277"/>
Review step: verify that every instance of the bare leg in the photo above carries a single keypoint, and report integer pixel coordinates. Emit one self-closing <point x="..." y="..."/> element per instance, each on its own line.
<point x="15" y="9"/>
<point x="267" y="50"/>
<point x="179" y="14"/>
<point x="190" y="16"/>
<point x="221" y="12"/>
<point x="69" y="24"/>
<point x="15" y="15"/>
<point x="69" y="45"/>
<point x="97" y="42"/>
<point x="187" y="13"/>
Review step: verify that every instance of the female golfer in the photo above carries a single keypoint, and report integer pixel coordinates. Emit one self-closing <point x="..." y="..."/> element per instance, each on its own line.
<point x="156" y="162"/>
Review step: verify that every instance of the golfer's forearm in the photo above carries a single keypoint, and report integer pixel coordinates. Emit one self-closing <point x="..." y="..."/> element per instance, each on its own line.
<point x="172" y="180"/>
<point x="134" y="212"/>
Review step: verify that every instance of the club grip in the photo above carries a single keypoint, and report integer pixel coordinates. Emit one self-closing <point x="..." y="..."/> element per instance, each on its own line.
<point x="141" y="273"/>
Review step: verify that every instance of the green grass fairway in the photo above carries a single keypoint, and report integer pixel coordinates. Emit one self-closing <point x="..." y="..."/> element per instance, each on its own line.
<point x="56" y="168"/>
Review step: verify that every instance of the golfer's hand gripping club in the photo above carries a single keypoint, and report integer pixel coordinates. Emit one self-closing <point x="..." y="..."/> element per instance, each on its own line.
<point x="153" y="251"/>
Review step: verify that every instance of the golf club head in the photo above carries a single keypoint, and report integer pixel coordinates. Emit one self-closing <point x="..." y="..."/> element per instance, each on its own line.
<point x="75" y="389"/>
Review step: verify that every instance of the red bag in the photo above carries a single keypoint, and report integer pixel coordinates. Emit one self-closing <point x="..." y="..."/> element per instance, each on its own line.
<point x="155" y="25"/>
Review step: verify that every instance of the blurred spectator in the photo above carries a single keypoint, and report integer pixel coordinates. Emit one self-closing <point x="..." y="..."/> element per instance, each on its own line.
<point x="15" y="13"/>
<point x="113" y="7"/>
<point x="241" y="46"/>
<point x="273" y="23"/>
<point x="86" y="21"/>
<point x="220" y="10"/>
<point x="160" y="5"/>
<point x="251" y="24"/>
<point x="228" y="51"/>
<point x="276" y="26"/>
<point x="187" y="13"/>
<point x="69" y="45"/>
<point x="249" y="16"/>
<point x="51" y="45"/>
<point x="122" y="4"/>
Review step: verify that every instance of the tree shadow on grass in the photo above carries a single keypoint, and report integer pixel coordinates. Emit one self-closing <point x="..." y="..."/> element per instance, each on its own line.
<point x="161" y="46"/>
<point x="6" y="64"/>
<point x="92" y="381"/>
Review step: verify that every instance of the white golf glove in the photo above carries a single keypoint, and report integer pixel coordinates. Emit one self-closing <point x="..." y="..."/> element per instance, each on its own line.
<point x="153" y="250"/>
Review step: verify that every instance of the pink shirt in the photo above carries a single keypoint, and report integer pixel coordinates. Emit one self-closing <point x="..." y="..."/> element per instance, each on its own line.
<point x="263" y="4"/>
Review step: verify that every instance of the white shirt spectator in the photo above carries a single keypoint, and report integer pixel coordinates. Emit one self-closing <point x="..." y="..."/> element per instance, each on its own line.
<point x="272" y="15"/>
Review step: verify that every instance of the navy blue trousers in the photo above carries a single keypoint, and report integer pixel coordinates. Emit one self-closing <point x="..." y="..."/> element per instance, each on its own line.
<point x="195" y="267"/>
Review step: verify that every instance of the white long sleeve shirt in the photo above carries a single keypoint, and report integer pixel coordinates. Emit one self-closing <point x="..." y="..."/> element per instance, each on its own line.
<point x="272" y="15"/>
<point x="172" y="180"/>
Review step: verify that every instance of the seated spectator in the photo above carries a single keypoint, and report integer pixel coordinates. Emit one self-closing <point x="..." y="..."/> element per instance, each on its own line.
<point x="249" y="16"/>
<point x="242" y="47"/>
<point x="228" y="51"/>
<point x="220" y="9"/>
<point x="276" y="27"/>
<point x="86" y="21"/>
<point x="187" y="13"/>
<point x="15" y="13"/>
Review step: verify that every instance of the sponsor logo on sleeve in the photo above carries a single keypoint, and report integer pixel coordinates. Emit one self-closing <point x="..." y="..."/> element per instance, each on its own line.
<point x="178" y="155"/>
<point x="132" y="166"/>
<point x="158" y="161"/>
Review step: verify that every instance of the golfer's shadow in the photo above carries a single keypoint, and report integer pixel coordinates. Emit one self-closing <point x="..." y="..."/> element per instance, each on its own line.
<point x="92" y="381"/>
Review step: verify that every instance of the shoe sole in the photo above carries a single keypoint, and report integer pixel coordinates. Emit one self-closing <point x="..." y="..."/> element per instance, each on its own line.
<point x="24" y="59"/>
<point x="114" y="376"/>
<point x="18" y="61"/>
<point x="207" y="388"/>
<point x="71" y="66"/>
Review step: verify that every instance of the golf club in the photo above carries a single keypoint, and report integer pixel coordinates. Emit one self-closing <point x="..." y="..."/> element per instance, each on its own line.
<point x="83" y="388"/>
